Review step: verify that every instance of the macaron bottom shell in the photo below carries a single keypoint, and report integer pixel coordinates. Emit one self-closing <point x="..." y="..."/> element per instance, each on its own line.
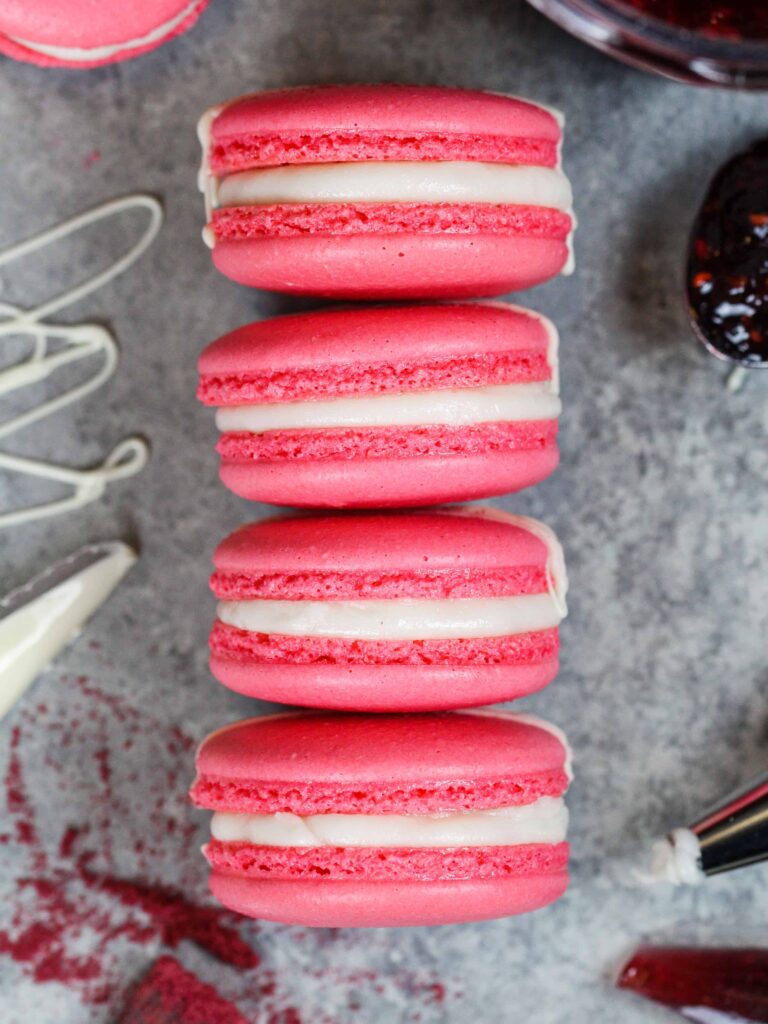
<point x="398" y="265"/>
<point x="326" y="903"/>
<point x="387" y="483"/>
<point x="383" y="688"/>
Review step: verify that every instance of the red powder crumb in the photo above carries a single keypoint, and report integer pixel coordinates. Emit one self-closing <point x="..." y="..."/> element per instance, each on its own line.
<point x="91" y="158"/>
<point x="63" y="903"/>
<point x="174" y="919"/>
<point x="288" y="1015"/>
<point x="168" y="994"/>
<point x="88" y="889"/>
<point x="26" y="832"/>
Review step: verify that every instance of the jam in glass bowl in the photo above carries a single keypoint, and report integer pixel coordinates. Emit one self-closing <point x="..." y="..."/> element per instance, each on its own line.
<point x="705" y="42"/>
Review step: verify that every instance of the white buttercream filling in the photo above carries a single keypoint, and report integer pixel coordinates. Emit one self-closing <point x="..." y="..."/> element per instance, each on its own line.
<point x="89" y="53"/>
<point x="396" y="619"/>
<point x="544" y="821"/>
<point x="392" y="181"/>
<point x="454" y="407"/>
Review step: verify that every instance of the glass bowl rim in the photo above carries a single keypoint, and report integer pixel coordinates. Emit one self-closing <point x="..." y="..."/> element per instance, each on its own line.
<point x="660" y="34"/>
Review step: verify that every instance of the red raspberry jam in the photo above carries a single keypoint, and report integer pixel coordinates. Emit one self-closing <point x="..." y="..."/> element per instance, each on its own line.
<point x="740" y="19"/>
<point x="727" y="278"/>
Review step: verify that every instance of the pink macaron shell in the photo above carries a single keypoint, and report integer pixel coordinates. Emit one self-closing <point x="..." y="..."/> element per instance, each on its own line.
<point x="374" y="349"/>
<point x="387" y="108"/>
<point x="82" y="24"/>
<point x="388" y="483"/>
<point x="383" y="688"/>
<point x="434" y="540"/>
<point x="396" y="265"/>
<point x="314" y="762"/>
<point x="376" y="904"/>
<point x="321" y="124"/>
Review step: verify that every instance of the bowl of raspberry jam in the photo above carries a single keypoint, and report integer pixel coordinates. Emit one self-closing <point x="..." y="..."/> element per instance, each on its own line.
<point x="704" y="42"/>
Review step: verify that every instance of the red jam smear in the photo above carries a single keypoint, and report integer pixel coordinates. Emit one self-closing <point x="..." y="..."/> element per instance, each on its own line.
<point x="727" y="278"/>
<point x="745" y="20"/>
<point x="702" y="985"/>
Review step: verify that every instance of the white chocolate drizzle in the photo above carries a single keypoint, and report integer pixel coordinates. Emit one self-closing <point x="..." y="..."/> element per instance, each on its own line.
<point x="81" y="341"/>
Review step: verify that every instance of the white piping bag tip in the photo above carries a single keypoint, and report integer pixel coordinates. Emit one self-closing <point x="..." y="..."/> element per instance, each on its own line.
<point x="40" y="618"/>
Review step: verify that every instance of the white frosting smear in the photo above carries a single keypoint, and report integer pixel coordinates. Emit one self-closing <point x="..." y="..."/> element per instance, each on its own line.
<point x="81" y="341"/>
<point x="392" y="181"/>
<point x="395" y="619"/>
<point x="453" y="407"/>
<point x="76" y="53"/>
<point x="544" y="821"/>
<point x="675" y="859"/>
<point x="33" y="634"/>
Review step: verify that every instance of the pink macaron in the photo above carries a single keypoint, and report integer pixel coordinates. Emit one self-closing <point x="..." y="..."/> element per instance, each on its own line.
<point x="380" y="407"/>
<point x="389" y="612"/>
<point x="85" y="34"/>
<point x="385" y="191"/>
<point x="368" y="821"/>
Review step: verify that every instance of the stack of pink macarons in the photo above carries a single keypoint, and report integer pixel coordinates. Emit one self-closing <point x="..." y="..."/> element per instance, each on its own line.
<point x="381" y="603"/>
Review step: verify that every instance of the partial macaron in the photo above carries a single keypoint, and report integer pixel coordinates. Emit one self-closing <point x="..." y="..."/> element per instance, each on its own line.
<point x="372" y="821"/>
<point x="421" y="611"/>
<point x="385" y="191"/>
<point x="381" y="407"/>
<point x="84" y="34"/>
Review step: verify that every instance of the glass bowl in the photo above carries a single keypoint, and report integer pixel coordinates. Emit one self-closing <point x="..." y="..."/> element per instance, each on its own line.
<point x="636" y="38"/>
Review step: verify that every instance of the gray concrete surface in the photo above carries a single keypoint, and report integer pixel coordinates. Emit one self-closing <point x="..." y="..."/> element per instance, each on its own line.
<point x="660" y="502"/>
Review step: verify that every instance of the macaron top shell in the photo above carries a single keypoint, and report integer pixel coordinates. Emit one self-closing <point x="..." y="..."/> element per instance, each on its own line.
<point x="84" y="24"/>
<point x="300" y="761"/>
<point x="372" y="350"/>
<point x="388" y="542"/>
<point x="400" y="109"/>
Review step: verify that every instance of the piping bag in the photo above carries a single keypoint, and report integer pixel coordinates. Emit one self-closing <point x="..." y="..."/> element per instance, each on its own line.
<point x="39" y="618"/>
<point x="731" y="834"/>
<point x="708" y="985"/>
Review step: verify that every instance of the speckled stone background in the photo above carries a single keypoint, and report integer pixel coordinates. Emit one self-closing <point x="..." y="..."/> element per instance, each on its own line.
<point x="660" y="502"/>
